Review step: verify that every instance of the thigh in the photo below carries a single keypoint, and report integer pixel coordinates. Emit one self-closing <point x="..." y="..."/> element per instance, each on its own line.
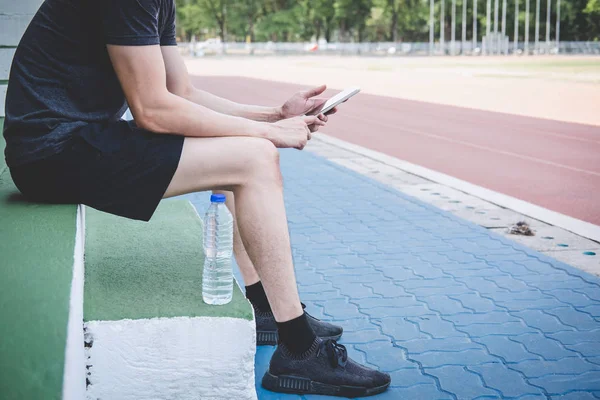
<point x="219" y="163"/>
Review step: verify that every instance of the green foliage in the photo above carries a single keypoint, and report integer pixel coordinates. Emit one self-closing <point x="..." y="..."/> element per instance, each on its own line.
<point x="364" y="20"/>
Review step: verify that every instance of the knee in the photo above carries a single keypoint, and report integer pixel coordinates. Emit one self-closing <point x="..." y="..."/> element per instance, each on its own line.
<point x="263" y="161"/>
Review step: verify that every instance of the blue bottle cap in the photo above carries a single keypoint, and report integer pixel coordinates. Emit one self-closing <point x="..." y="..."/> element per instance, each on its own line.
<point x="217" y="198"/>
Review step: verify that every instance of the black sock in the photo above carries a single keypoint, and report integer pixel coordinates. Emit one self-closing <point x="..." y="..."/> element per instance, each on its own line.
<point x="296" y="334"/>
<point x="257" y="296"/>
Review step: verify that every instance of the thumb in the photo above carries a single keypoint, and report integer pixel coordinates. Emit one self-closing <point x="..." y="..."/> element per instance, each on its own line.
<point x="314" y="91"/>
<point x="310" y="119"/>
<point x="313" y="120"/>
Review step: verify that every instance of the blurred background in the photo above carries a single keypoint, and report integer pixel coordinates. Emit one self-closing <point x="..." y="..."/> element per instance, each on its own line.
<point x="390" y="26"/>
<point x="502" y="94"/>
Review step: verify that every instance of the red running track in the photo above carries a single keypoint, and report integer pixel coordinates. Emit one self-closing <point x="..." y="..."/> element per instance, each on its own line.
<point x="552" y="164"/>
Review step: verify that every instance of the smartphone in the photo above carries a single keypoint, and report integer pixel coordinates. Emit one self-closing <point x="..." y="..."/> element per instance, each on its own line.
<point x="339" y="98"/>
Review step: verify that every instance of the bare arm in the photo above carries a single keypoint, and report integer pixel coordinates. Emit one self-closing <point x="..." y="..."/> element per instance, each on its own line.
<point x="141" y="71"/>
<point x="178" y="83"/>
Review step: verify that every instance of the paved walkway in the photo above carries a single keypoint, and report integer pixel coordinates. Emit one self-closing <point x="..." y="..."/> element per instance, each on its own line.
<point x="452" y="310"/>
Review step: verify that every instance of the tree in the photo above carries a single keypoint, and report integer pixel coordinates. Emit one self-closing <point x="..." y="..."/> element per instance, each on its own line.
<point x="352" y="17"/>
<point x="592" y="10"/>
<point x="245" y="14"/>
<point x="218" y="10"/>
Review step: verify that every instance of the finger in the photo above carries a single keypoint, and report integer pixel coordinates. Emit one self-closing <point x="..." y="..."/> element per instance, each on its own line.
<point x="311" y="119"/>
<point x="314" y="128"/>
<point x="323" y="117"/>
<point x="314" y="91"/>
<point x="332" y="111"/>
<point x="316" y="121"/>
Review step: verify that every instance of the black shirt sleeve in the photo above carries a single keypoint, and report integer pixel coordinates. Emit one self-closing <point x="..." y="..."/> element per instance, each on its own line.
<point x="168" y="36"/>
<point x="131" y="22"/>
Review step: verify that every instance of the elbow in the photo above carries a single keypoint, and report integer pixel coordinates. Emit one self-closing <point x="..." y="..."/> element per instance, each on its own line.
<point x="149" y="117"/>
<point x="184" y="91"/>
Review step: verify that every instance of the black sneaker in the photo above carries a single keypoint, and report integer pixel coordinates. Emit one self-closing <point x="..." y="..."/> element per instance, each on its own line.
<point x="323" y="369"/>
<point x="266" y="328"/>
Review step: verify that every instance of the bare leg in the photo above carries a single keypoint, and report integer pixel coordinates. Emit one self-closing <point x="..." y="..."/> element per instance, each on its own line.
<point x="250" y="169"/>
<point x="241" y="255"/>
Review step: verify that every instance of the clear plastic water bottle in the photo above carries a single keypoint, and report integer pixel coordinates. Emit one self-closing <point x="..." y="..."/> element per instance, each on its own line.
<point x="217" y="279"/>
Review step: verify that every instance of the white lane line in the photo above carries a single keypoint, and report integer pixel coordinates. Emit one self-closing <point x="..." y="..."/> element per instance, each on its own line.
<point x="577" y="226"/>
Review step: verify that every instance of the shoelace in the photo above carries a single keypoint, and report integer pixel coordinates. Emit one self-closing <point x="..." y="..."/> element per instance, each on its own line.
<point x="337" y="354"/>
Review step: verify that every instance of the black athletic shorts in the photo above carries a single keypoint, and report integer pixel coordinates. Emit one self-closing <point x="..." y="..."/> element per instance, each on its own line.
<point x="114" y="167"/>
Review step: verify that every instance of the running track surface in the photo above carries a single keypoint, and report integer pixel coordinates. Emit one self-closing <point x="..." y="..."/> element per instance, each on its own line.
<point x="552" y="164"/>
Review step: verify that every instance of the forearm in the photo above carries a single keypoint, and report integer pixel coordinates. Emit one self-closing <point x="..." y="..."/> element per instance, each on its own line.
<point x="172" y="114"/>
<point x="224" y="106"/>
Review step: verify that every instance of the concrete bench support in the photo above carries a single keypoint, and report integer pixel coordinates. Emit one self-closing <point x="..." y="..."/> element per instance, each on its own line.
<point x="148" y="334"/>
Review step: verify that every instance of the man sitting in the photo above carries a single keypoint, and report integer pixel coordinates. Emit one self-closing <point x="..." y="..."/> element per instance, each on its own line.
<point x="78" y="66"/>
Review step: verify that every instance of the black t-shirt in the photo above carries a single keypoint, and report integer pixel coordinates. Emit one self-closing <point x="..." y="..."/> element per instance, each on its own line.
<point x="62" y="78"/>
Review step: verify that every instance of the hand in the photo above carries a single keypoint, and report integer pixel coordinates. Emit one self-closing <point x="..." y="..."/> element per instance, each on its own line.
<point x="293" y="132"/>
<point x="303" y="103"/>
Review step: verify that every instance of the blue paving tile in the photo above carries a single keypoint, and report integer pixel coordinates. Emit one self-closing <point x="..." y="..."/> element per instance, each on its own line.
<point x="493" y="317"/>
<point x="474" y="302"/>
<point x="361" y="291"/>
<point x="591" y="291"/>
<point x="477" y="269"/>
<point x="545" y="347"/>
<point x="416" y="287"/>
<point x="429" y="272"/>
<point x="321" y="296"/>
<point x="446" y="344"/>
<point x="588" y="349"/>
<point x="397" y="273"/>
<point x="351" y="261"/>
<point x="483" y="286"/>
<point x="400" y="329"/>
<point x="592" y="309"/>
<point x="315" y="288"/>
<point x="363" y="336"/>
<point x="509" y="283"/>
<point x="574" y="318"/>
<point x="374" y="276"/>
<point x="565" y="366"/>
<point x="423" y="391"/>
<point x="405" y="378"/>
<point x="455" y="289"/>
<point x="416" y="310"/>
<point x="543" y="321"/>
<point x="571" y="297"/>
<point x="435" y="359"/>
<point x="339" y="308"/>
<point x="399" y="301"/>
<point x="437" y="327"/>
<point x="385" y="355"/>
<point x="508" y="328"/>
<point x="576" y="395"/>
<point x="510" y="267"/>
<point x="509" y="351"/>
<point x="461" y="382"/>
<point x="445" y="305"/>
<point x="563" y="384"/>
<point x="592" y="337"/>
<point x="541" y="303"/>
<point x="509" y="382"/>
